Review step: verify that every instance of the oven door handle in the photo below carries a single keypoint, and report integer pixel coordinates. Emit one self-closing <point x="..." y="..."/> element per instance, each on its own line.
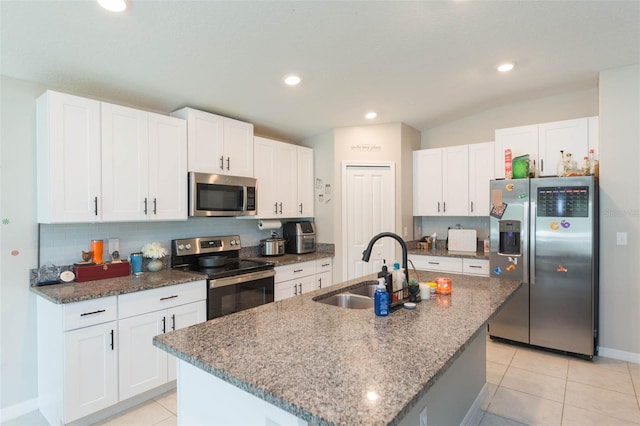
<point x="242" y="278"/>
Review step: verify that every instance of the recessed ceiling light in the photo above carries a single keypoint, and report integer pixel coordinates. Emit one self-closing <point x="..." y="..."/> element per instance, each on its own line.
<point x="507" y="66"/>
<point x="113" y="5"/>
<point x="370" y="115"/>
<point x="292" y="80"/>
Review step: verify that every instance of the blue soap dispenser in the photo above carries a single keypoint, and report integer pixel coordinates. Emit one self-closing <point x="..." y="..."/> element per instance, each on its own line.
<point x="381" y="299"/>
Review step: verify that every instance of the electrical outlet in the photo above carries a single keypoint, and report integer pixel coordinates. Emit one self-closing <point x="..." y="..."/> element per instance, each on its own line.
<point x="621" y="238"/>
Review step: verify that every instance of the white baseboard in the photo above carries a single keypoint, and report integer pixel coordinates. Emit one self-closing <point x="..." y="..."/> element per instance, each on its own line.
<point x="620" y="355"/>
<point x="470" y="417"/>
<point x="17" y="410"/>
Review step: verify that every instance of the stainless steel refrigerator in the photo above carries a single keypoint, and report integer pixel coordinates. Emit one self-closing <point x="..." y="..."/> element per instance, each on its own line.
<point x="545" y="232"/>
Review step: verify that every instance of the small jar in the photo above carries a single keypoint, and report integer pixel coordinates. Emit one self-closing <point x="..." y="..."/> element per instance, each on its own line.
<point x="432" y="287"/>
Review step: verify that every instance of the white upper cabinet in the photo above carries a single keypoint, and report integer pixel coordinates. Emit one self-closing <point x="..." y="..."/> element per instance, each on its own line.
<point x="285" y="179"/>
<point x="68" y="159"/>
<point x="99" y="162"/>
<point x="217" y="144"/>
<point x="305" y="181"/>
<point x="441" y="181"/>
<point x="520" y="140"/>
<point x="543" y="143"/>
<point x="480" y="174"/>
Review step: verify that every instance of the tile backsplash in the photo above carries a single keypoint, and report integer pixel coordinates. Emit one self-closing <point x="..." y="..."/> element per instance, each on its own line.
<point x="63" y="244"/>
<point x="440" y="224"/>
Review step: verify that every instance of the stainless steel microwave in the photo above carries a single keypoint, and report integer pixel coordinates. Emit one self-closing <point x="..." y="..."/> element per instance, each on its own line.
<point x="221" y="195"/>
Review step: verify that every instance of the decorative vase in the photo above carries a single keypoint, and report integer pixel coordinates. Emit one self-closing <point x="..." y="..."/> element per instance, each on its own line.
<point x="154" y="265"/>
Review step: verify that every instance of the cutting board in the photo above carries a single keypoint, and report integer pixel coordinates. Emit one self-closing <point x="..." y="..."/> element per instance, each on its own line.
<point x="463" y="240"/>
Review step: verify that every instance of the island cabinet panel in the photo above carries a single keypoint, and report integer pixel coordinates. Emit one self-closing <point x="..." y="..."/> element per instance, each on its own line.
<point x="478" y="267"/>
<point x="299" y="278"/>
<point x="324" y="272"/>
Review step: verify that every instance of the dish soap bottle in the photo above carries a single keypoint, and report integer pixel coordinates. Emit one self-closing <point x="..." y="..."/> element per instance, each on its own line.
<point x="381" y="299"/>
<point x="386" y="275"/>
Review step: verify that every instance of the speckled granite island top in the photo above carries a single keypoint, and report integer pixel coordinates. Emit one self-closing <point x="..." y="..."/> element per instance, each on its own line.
<point x="318" y="361"/>
<point x="76" y="292"/>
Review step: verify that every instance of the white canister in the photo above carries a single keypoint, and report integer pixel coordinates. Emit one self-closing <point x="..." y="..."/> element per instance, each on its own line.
<point x="424" y="291"/>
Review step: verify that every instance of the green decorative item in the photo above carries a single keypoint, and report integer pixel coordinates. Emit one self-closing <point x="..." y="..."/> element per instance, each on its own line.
<point x="520" y="167"/>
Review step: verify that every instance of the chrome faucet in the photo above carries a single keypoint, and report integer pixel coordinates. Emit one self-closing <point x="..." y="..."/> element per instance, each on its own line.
<point x="367" y="253"/>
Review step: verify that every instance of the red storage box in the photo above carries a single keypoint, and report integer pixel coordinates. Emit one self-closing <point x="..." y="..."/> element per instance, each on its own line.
<point x="101" y="272"/>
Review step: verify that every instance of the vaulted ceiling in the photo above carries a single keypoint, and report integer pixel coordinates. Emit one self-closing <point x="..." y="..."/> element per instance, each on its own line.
<point x="419" y="62"/>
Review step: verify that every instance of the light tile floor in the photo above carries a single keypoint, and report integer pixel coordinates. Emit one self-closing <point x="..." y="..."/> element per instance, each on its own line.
<point x="525" y="387"/>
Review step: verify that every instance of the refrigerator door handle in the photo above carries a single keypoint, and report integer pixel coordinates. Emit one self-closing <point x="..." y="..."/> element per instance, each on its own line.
<point x="532" y="242"/>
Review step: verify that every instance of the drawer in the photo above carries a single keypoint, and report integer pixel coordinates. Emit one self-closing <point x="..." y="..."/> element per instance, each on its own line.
<point x="89" y="312"/>
<point x="295" y="270"/>
<point x="324" y="265"/>
<point x="475" y="267"/>
<point x="437" y="263"/>
<point x="141" y="302"/>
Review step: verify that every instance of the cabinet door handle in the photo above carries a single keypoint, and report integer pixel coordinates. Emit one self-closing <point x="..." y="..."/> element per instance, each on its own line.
<point x="300" y="208"/>
<point x="222" y="162"/>
<point x="145" y="205"/>
<point x="164" y="325"/>
<point x="95" y="205"/>
<point x="173" y="322"/>
<point x="155" y="206"/>
<point x="300" y="288"/>
<point x="542" y="164"/>
<point x="438" y="206"/>
<point x="472" y="207"/>
<point x="275" y="208"/>
<point x="280" y="208"/>
<point x="228" y="162"/>
<point x="444" y="207"/>
<point x="112" y="341"/>
<point x="320" y="282"/>
<point x="295" y="289"/>
<point x="169" y="297"/>
<point x="84" y="314"/>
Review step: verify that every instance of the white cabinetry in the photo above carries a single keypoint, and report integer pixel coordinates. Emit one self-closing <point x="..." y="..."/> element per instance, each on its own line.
<point x="95" y="353"/>
<point x="285" y="179"/>
<point x="457" y="265"/>
<point x="543" y="143"/>
<point x="104" y="162"/>
<point x="143" y="165"/>
<point x="441" y="181"/>
<point x="217" y="144"/>
<point x="299" y="278"/>
<point x="480" y="174"/>
<point x="68" y="157"/>
<point x="77" y="358"/>
<point x="144" y="315"/>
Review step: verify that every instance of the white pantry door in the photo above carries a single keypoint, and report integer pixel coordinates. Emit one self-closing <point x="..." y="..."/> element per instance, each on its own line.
<point x="367" y="209"/>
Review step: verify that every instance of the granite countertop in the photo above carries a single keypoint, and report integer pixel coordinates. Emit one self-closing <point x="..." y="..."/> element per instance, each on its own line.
<point x="318" y="361"/>
<point x="76" y="292"/>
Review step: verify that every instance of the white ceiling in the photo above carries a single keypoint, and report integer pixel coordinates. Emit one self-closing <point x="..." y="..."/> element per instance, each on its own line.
<point x="422" y="63"/>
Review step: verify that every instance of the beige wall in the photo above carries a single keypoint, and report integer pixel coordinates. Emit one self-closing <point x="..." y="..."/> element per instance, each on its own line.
<point x="620" y="210"/>
<point x="480" y="127"/>
<point x="324" y="168"/>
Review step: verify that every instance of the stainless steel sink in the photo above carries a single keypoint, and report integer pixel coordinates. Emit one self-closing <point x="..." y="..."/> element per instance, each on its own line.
<point x="348" y="300"/>
<point x="366" y="290"/>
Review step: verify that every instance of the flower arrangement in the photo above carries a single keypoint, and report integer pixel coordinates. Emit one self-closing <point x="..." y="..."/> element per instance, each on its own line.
<point x="154" y="250"/>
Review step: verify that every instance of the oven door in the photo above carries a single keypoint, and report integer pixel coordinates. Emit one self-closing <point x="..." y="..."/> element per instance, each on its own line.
<point x="239" y="292"/>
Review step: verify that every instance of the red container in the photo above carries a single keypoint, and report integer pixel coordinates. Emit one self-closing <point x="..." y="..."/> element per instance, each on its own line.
<point x="101" y="272"/>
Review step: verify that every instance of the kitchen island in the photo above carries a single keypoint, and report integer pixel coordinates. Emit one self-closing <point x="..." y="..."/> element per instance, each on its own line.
<point x="298" y="361"/>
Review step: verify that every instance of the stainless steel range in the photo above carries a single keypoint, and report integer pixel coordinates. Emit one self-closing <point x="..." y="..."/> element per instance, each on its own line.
<point x="233" y="284"/>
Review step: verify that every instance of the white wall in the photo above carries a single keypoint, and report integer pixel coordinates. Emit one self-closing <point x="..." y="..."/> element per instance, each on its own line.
<point x="324" y="185"/>
<point x="480" y="127"/>
<point x="620" y="212"/>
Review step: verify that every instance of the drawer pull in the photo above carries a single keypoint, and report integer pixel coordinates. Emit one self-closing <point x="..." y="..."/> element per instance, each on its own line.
<point x="474" y="266"/>
<point x="169" y="297"/>
<point x="298" y="270"/>
<point x="92" y="313"/>
<point x="326" y="264"/>
<point x="434" y="263"/>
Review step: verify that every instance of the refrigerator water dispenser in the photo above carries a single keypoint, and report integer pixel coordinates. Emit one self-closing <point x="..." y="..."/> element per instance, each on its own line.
<point x="510" y="242"/>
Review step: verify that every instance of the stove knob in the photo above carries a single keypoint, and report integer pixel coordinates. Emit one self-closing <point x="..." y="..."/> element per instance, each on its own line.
<point x="180" y="246"/>
<point x="232" y="242"/>
<point x="237" y="242"/>
<point x="188" y="246"/>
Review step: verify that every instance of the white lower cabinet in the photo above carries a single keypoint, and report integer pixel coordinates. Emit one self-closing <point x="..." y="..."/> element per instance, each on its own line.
<point x="299" y="278"/>
<point x="456" y="265"/>
<point x="142" y="366"/>
<point x="91" y="357"/>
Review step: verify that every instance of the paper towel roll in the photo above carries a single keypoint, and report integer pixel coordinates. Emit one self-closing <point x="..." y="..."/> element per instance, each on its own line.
<point x="269" y="224"/>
